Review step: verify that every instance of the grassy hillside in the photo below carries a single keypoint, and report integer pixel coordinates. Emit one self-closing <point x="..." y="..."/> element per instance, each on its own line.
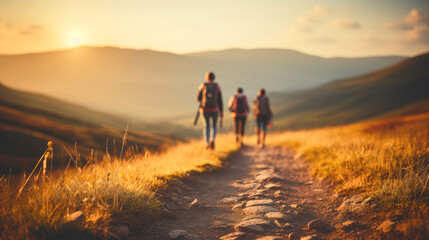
<point x="110" y="190"/>
<point x="28" y="121"/>
<point x="153" y="84"/>
<point x="387" y="160"/>
<point x="74" y="114"/>
<point x="398" y="90"/>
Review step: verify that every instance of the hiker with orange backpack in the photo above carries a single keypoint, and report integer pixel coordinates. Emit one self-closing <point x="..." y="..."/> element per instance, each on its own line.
<point x="263" y="115"/>
<point x="239" y="108"/>
<point x="211" y="105"/>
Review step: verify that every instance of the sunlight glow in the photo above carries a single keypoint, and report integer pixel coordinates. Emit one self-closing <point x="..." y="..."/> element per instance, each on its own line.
<point x="74" y="39"/>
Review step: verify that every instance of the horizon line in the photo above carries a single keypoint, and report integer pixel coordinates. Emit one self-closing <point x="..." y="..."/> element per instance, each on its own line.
<point x="199" y="51"/>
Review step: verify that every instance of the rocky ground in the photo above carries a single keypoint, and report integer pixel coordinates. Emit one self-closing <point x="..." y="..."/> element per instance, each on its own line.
<point x="260" y="194"/>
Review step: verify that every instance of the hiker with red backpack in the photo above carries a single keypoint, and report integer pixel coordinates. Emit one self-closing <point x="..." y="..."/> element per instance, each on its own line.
<point x="263" y="115"/>
<point x="211" y="105"/>
<point x="239" y="108"/>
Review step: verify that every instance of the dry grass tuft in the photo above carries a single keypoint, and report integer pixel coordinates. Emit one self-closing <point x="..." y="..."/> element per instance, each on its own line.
<point x="112" y="187"/>
<point x="388" y="160"/>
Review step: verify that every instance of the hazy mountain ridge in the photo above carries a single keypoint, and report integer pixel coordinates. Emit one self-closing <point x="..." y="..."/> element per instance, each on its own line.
<point x="153" y="85"/>
<point x="400" y="89"/>
<point x="28" y="121"/>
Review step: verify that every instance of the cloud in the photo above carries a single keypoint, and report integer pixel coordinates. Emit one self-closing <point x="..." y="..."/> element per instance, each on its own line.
<point x="344" y="24"/>
<point x="315" y="15"/>
<point x="21" y="29"/>
<point x="415" y="26"/>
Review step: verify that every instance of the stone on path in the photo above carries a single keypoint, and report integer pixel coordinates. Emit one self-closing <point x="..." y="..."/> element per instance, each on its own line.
<point x="238" y="205"/>
<point x="268" y="177"/>
<point x="252" y="216"/>
<point x="245" y="186"/>
<point x="355" y="204"/>
<point x="245" y="194"/>
<point x="234" y="236"/>
<point x="181" y="234"/>
<point x="230" y="199"/>
<point x="319" y="225"/>
<point x="259" y="210"/>
<point x="257" y="193"/>
<point x="294" y="205"/>
<point x="275" y="216"/>
<point x="387" y="226"/>
<point x="259" y="202"/>
<point x="285" y="226"/>
<point x="273" y="186"/>
<point x="288" y="226"/>
<point x="270" y="238"/>
<point x="255" y="225"/>
<point x="278" y="193"/>
<point x="311" y="237"/>
<point x="350" y="225"/>
<point x="195" y="203"/>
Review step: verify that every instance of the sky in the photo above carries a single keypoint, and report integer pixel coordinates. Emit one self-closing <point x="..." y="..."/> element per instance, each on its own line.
<point x="327" y="28"/>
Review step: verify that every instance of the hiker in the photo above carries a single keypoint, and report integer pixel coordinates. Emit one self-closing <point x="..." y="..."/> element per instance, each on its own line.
<point x="239" y="108"/>
<point x="210" y="98"/>
<point x="263" y="115"/>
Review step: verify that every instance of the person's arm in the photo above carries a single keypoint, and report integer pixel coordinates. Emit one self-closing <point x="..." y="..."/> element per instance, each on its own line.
<point x="220" y="102"/>
<point x="200" y="93"/>
<point x="231" y="103"/>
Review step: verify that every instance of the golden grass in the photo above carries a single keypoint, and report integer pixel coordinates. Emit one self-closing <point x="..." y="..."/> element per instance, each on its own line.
<point x="388" y="159"/>
<point x="102" y="191"/>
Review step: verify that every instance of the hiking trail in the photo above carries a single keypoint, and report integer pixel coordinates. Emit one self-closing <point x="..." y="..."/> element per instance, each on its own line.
<point x="259" y="194"/>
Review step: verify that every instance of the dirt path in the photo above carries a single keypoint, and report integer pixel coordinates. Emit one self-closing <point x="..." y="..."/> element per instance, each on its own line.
<point x="287" y="199"/>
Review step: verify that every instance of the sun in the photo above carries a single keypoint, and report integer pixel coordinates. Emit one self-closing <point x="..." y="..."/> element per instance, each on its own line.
<point x="74" y="39"/>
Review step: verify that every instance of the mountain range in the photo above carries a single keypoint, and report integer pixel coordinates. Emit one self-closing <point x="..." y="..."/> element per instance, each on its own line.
<point x="158" y="85"/>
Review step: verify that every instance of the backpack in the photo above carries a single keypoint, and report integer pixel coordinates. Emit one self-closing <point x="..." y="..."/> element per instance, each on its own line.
<point x="260" y="106"/>
<point x="239" y="106"/>
<point x="210" y="96"/>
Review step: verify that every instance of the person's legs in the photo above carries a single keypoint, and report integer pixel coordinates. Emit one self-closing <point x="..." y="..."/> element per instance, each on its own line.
<point x="206" y="127"/>
<point x="264" y="130"/>
<point x="258" y="129"/>
<point x="214" y="116"/>
<point x="236" y="129"/>
<point x="242" y="124"/>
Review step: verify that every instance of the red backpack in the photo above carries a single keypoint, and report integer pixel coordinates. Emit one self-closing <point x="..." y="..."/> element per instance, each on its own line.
<point x="239" y="105"/>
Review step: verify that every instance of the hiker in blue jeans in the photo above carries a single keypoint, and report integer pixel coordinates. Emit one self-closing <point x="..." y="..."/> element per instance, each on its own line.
<point x="210" y="98"/>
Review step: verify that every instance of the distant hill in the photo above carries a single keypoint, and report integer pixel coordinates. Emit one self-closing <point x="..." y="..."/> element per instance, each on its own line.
<point x="153" y="85"/>
<point x="28" y="121"/>
<point x="399" y="90"/>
